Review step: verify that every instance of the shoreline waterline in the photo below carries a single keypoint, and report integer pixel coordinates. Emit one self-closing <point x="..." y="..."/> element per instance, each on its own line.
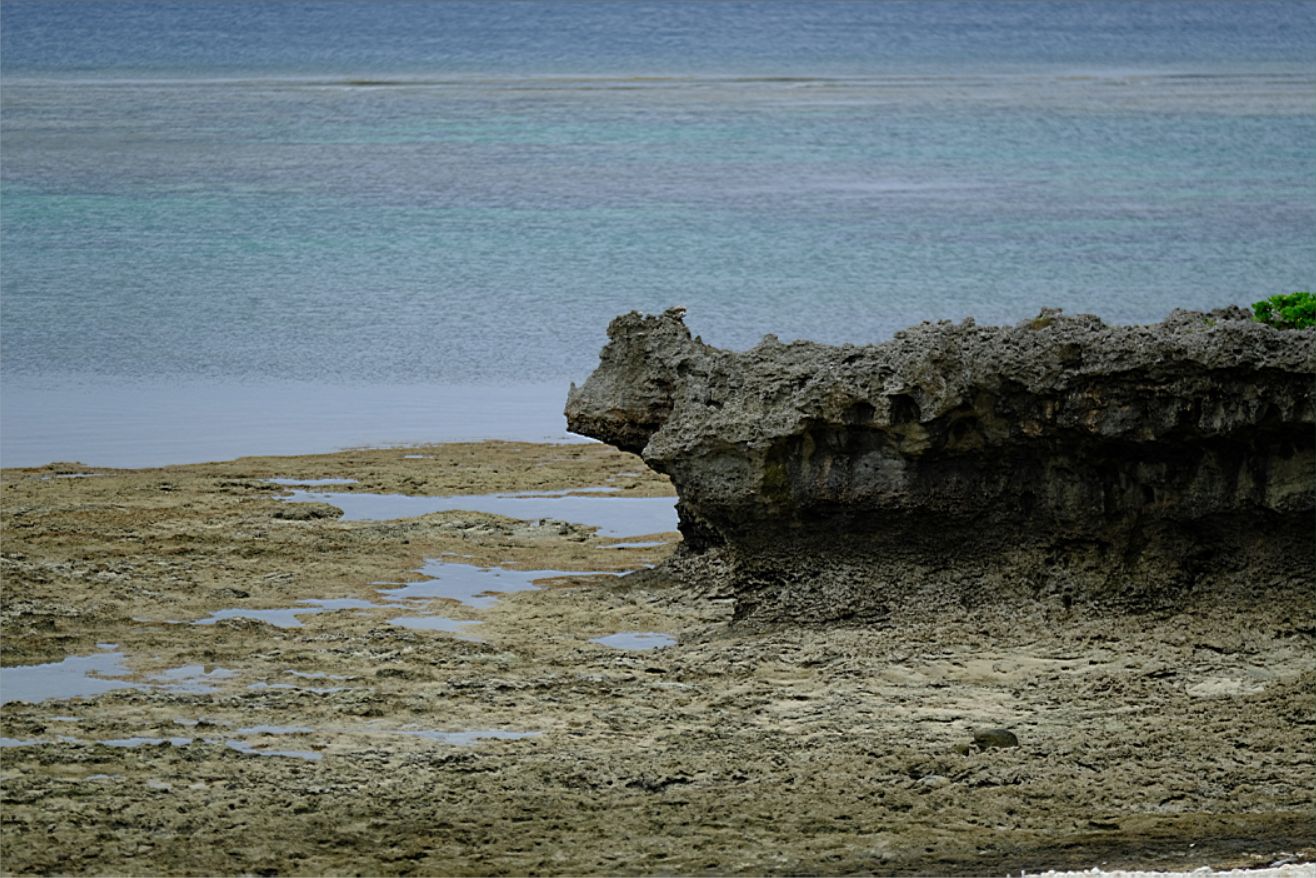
<point x="149" y="423"/>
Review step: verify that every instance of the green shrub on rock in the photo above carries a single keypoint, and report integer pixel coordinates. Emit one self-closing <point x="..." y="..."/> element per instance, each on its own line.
<point x="1287" y="310"/>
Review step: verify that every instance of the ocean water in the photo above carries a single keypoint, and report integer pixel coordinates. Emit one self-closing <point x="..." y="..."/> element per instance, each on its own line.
<point x="234" y="226"/>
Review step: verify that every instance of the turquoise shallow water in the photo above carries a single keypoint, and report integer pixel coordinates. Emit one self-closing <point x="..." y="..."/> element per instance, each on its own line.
<point x="235" y="200"/>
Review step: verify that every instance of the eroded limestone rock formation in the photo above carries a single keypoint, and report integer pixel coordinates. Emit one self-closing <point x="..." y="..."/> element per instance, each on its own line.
<point x="1060" y="459"/>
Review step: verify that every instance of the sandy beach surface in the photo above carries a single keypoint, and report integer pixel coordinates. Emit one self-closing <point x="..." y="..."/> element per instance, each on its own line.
<point x="246" y="684"/>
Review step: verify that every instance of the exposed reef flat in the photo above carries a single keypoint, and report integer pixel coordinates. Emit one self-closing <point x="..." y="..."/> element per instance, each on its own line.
<point x="1058" y="461"/>
<point x="512" y="742"/>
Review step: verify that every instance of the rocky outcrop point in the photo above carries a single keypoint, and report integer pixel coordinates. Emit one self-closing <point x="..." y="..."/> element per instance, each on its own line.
<point x="1060" y="459"/>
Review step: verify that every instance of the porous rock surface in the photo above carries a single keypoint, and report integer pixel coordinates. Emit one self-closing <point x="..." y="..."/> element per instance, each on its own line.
<point x="1060" y="459"/>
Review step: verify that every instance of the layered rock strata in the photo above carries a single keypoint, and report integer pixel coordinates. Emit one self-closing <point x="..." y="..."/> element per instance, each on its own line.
<point x="1060" y="459"/>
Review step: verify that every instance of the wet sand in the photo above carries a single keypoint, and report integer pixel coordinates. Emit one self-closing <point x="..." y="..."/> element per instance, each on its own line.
<point x="323" y="721"/>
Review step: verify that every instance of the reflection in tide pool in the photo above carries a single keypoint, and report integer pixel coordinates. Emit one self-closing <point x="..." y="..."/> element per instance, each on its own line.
<point x="88" y="675"/>
<point x="193" y="678"/>
<point x="596" y="507"/>
<point x="288" y="617"/>
<point x="284" y="618"/>
<point x="437" y="623"/>
<point x="467" y="584"/>
<point x="249" y="749"/>
<point x="473" y="586"/>
<point x="637" y="640"/>
<point x="74" y="677"/>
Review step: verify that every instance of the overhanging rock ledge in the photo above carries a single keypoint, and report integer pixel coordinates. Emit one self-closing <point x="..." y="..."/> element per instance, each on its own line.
<point x="1060" y="459"/>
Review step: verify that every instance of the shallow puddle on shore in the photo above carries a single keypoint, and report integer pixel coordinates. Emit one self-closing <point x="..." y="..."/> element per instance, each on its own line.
<point x="473" y="586"/>
<point x="84" y="676"/>
<point x="636" y="640"/>
<point x="437" y="623"/>
<point x="594" y="507"/>
<point x="288" y="617"/>
<point x="285" y="618"/>
<point x="241" y="746"/>
<point x="469" y="585"/>
<point x="328" y="604"/>
<point x="194" y="679"/>
<point x="74" y="677"/>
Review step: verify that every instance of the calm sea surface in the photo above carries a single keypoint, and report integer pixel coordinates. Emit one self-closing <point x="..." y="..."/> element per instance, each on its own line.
<point x="237" y="226"/>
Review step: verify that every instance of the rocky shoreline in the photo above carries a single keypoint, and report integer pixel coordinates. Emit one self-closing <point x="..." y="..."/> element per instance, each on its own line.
<point x="518" y="743"/>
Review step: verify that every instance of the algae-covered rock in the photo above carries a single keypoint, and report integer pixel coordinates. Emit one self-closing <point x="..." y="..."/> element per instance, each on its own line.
<point x="1060" y="458"/>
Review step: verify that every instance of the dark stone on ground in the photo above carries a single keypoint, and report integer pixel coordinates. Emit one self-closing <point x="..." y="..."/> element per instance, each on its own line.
<point x="989" y="738"/>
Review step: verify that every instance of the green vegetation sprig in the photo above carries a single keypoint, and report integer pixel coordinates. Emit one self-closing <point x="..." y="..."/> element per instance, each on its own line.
<point x="1287" y="310"/>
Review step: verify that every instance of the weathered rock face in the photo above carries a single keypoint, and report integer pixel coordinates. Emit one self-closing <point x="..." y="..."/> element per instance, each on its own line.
<point x="1058" y="459"/>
